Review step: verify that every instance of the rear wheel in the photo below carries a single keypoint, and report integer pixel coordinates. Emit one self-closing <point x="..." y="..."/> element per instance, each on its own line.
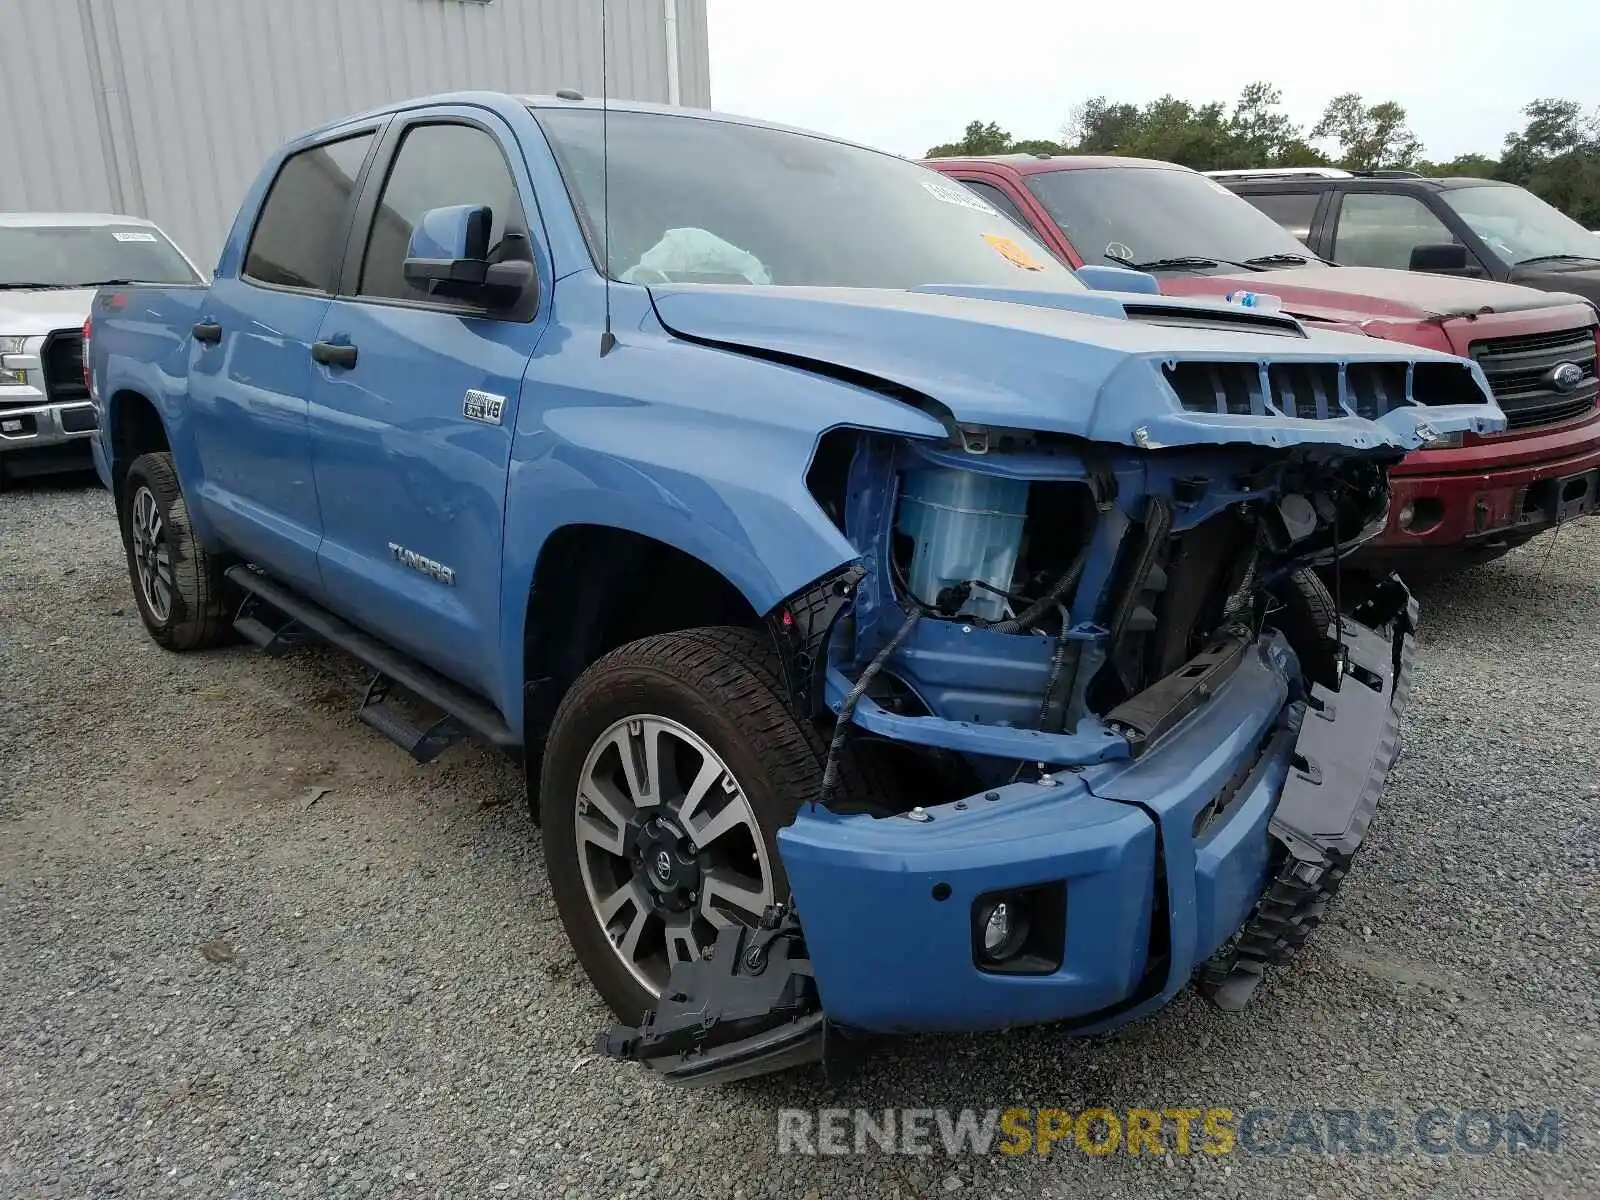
<point x="671" y="765"/>
<point x="177" y="583"/>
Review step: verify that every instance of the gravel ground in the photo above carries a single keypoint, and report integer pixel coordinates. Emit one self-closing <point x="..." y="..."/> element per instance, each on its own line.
<point x="209" y="986"/>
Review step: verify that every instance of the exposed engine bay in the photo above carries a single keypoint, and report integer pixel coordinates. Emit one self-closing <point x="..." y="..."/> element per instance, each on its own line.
<point x="1026" y="606"/>
<point x="1065" y="601"/>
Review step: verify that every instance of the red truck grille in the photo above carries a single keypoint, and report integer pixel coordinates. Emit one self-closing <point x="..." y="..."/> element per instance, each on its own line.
<point x="1523" y="373"/>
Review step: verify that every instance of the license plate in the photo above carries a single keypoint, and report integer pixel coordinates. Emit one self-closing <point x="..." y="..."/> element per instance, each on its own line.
<point x="1575" y="495"/>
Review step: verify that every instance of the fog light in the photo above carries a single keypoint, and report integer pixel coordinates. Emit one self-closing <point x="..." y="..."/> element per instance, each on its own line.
<point x="1002" y="928"/>
<point x="1421" y="514"/>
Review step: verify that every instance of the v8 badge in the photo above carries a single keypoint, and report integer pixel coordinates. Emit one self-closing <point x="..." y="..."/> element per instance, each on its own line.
<point x="483" y="406"/>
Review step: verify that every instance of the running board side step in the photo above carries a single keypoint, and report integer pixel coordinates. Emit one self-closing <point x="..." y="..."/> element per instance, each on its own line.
<point x="423" y="743"/>
<point x="273" y="637"/>
<point x="305" y="620"/>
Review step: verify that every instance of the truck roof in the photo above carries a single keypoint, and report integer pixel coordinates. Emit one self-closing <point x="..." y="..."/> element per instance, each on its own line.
<point x="573" y="100"/>
<point x="1035" y="164"/>
<point x="34" y="220"/>
<point x="1442" y="183"/>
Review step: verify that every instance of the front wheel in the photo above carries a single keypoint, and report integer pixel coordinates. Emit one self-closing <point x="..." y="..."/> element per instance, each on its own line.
<point x="1305" y="613"/>
<point x="671" y="765"/>
<point x="177" y="583"/>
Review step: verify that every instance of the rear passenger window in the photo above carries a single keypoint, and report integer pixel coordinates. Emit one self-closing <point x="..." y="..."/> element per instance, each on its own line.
<point x="298" y="238"/>
<point x="1293" y="210"/>
<point x="438" y="166"/>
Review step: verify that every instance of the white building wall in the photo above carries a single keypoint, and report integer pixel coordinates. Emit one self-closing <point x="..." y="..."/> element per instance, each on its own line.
<point x="168" y="108"/>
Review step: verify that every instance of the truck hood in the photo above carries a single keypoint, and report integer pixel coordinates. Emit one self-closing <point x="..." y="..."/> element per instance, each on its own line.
<point x="34" y="313"/>
<point x="1357" y="294"/>
<point x="1088" y="364"/>
<point x="1550" y="277"/>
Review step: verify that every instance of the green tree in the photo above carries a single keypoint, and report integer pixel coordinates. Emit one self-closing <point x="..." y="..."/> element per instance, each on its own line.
<point x="1556" y="156"/>
<point x="1174" y="130"/>
<point x="1298" y="153"/>
<point x="1469" y="166"/>
<point x="1255" y="133"/>
<point x="1261" y="134"/>
<point x="1099" y="127"/>
<point x="1369" y="136"/>
<point x="979" y="139"/>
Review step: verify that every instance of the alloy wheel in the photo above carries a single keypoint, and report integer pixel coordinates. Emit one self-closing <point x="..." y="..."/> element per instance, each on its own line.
<point x="668" y="846"/>
<point x="151" y="556"/>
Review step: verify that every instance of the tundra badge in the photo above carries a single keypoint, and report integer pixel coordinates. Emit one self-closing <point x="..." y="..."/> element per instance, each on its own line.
<point x="417" y="562"/>
<point x="482" y="406"/>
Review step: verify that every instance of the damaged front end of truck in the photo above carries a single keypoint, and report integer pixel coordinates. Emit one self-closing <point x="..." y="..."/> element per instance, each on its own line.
<point x="1095" y="730"/>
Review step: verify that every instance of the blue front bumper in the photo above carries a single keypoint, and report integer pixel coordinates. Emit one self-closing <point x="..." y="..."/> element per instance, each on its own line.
<point x="1154" y="882"/>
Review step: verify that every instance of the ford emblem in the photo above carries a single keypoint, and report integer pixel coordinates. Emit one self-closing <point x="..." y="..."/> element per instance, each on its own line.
<point x="1565" y="377"/>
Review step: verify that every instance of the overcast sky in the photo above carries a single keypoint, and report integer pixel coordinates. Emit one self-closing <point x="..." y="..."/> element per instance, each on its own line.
<point x="908" y="74"/>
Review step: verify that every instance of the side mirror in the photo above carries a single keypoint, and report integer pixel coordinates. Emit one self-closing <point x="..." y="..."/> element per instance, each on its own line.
<point x="449" y="256"/>
<point x="1118" y="279"/>
<point x="1441" y="256"/>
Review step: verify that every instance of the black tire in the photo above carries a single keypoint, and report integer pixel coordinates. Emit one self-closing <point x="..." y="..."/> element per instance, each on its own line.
<point x="717" y="682"/>
<point x="1304" y="615"/>
<point x="194" y="614"/>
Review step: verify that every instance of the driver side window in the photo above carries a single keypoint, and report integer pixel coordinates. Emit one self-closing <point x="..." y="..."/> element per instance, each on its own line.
<point x="1379" y="229"/>
<point x="437" y="166"/>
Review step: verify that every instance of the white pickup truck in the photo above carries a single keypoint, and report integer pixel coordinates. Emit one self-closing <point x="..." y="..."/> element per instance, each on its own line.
<point x="50" y="267"/>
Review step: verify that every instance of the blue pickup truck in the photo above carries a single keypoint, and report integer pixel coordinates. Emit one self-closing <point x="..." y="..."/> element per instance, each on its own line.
<point x="900" y="634"/>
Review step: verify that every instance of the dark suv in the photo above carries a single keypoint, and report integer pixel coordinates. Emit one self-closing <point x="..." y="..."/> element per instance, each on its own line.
<point x="1475" y="227"/>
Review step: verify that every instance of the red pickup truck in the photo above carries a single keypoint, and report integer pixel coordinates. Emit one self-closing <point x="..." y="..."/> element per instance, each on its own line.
<point x="1471" y="499"/>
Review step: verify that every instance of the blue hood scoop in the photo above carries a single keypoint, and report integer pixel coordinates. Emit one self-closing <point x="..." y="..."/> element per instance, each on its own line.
<point x="1214" y="314"/>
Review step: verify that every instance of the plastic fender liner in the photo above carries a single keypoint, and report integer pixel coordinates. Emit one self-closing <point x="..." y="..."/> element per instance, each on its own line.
<point x="748" y="1008"/>
<point x="800" y="626"/>
<point x="1347" y="744"/>
<point x="1348" y="741"/>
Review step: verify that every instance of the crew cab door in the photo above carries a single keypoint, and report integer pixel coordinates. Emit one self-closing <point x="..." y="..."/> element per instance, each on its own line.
<point x="250" y="374"/>
<point x="1385" y="228"/>
<point x="414" y="402"/>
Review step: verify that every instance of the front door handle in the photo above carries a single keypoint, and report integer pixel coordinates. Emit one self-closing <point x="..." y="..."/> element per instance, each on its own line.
<point x="207" y="331"/>
<point x="334" y="354"/>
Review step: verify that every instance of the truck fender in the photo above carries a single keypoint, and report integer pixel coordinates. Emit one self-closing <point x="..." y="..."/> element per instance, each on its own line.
<point x="730" y="531"/>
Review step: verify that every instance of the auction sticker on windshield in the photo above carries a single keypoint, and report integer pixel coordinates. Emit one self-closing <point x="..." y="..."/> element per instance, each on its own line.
<point x="126" y="235"/>
<point x="1012" y="251"/>
<point x="955" y="194"/>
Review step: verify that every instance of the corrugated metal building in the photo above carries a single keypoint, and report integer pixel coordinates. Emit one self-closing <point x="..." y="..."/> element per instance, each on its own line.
<point x="167" y="108"/>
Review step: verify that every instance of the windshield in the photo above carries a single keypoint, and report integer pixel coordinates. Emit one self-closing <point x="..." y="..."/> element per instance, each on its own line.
<point x="1519" y="226"/>
<point x="88" y="255"/>
<point x="705" y="201"/>
<point x="1143" y="215"/>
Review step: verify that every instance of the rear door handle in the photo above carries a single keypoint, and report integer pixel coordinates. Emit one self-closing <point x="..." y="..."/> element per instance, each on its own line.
<point x="334" y="354"/>
<point x="207" y="331"/>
